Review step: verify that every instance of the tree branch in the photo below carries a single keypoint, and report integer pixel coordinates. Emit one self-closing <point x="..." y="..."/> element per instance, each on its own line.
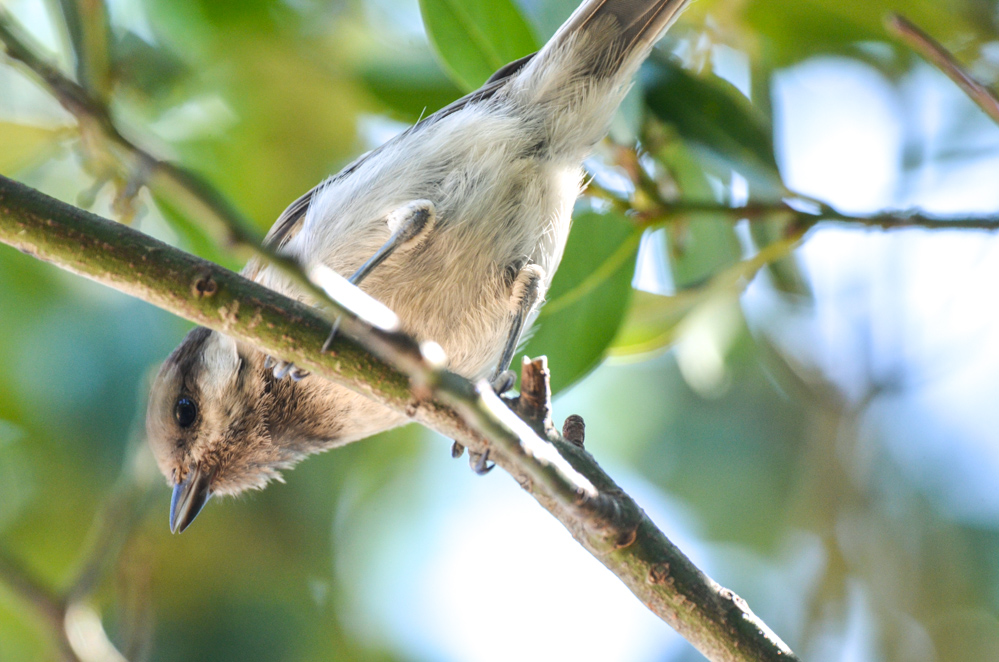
<point x="563" y="478"/>
<point x="804" y="211"/>
<point x="913" y="37"/>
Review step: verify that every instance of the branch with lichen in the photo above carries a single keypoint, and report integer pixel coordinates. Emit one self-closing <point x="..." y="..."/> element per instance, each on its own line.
<point x="395" y="371"/>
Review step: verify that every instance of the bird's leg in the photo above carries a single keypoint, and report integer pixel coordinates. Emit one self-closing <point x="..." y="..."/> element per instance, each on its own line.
<point x="524" y="296"/>
<point x="410" y="226"/>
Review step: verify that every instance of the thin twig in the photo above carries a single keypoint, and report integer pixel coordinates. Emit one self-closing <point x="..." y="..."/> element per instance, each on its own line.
<point x="89" y="29"/>
<point x="808" y="212"/>
<point x="197" y="198"/>
<point x="942" y="59"/>
<point x="567" y="483"/>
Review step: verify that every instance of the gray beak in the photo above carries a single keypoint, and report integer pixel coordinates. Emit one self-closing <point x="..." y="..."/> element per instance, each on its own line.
<point x="188" y="499"/>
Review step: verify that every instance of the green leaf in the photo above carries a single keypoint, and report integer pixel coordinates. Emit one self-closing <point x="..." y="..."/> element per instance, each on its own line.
<point x="791" y="30"/>
<point x="588" y="297"/>
<point x="152" y="71"/>
<point x="712" y="115"/>
<point x="474" y="38"/>
<point x="700" y="247"/>
<point x="652" y="322"/>
<point x="24" y="144"/>
<point x="412" y="88"/>
<point x="785" y="273"/>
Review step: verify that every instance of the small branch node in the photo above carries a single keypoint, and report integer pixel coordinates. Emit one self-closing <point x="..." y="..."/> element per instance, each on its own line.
<point x="736" y="601"/>
<point x="659" y="575"/>
<point x="613" y="515"/>
<point x="535" y="402"/>
<point x="574" y="430"/>
<point x="626" y="538"/>
<point x="205" y="286"/>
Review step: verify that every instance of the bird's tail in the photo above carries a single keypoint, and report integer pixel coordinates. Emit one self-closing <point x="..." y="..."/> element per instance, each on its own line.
<point x="635" y="24"/>
<point x="582" y="73"/>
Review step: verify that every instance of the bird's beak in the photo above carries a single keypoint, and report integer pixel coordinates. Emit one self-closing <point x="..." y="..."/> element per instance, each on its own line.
<point x="189" y="498"/>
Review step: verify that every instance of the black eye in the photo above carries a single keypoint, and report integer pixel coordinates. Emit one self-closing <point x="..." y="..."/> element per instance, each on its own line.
<point x="185" y="411"/>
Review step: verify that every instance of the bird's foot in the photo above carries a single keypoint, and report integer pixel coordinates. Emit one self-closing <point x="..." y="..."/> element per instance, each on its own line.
<point x="479" y="462"/>
<point x="284" y="369"/>
<point x="503" y="382"/>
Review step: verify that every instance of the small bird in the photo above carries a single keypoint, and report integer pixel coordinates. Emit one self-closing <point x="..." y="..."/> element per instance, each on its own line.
<point x="457" y="224"/>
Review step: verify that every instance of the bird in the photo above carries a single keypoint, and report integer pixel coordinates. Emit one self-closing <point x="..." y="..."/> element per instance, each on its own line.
<point x="457" y="224"/>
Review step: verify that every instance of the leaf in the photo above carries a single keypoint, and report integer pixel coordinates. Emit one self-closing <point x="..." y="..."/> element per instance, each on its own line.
<point x="785" y="273"/>
<point x="474" y="38"/>
<point x="791" y="30"/>
<point x="652" y="322"/>
<point x="711" y="114"/>
<point x="701" y="247"/>
<point x="588" y="297"/>
<point x="152" y="71"/>
<point x="413" y="88"/>
<point x="24" y="144"/>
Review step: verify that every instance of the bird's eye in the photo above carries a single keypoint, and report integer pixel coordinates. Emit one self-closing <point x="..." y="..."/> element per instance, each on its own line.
<point x="185" y="411"/>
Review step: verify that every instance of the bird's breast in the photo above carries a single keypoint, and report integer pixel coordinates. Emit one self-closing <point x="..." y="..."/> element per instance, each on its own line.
<point x="499" y="205"/>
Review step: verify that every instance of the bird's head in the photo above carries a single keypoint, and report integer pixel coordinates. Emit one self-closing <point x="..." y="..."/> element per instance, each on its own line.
<point x="208" y="423"/>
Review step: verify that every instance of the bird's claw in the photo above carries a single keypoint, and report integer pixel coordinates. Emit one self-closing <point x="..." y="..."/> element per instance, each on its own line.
<point x="284" y="369"/>
<point x="503" y="382"/>
<point x="479" y="462"/>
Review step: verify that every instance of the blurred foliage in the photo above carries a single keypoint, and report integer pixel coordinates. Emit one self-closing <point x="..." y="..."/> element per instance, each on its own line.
<point x="477" y="37"/>
<point x="711" y="114"/>
<point x="805" y="511"/>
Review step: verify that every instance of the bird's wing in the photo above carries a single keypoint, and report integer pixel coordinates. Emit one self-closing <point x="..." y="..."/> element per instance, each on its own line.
<point x="289" y="222"/>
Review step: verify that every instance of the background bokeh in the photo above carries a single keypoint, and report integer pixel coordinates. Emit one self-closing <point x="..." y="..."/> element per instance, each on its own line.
<point x="822" y="436"/>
